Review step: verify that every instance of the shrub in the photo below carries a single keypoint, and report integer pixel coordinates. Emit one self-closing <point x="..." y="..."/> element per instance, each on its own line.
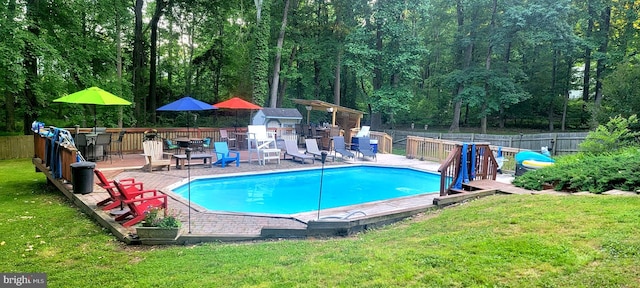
<point x="588" y="172"/>
<point x="612" y="136"/>
<point x="153" y="218"/>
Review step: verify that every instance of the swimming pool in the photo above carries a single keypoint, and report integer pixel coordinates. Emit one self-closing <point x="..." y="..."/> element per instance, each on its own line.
<point x="297" y="191"/>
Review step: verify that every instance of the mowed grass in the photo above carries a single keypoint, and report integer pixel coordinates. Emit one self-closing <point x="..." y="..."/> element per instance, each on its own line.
<point x="502" y="241"/>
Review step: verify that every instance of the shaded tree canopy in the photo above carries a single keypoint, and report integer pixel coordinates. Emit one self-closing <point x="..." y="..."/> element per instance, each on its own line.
<point x="467" y="63"/>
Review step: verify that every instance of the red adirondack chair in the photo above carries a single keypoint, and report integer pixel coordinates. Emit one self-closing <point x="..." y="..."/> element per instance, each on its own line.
<point x="114" y="195"/>
<point x="139" y="203"/>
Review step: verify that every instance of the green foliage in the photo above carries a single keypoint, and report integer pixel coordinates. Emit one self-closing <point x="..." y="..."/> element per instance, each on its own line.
<point x="396" y="55"/>
<point x="260" y="60"/>
<point x="155" y="218"/>
<point x="621" y="89"/>
<point x="588" y="172"/>
<point x="611" y="136"/>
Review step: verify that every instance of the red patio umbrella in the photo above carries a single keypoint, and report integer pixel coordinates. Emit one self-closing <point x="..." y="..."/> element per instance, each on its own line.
<point x="237" y="103"/>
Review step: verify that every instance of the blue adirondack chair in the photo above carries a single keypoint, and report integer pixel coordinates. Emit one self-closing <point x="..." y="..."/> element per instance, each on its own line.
<point x="224" y="155"/>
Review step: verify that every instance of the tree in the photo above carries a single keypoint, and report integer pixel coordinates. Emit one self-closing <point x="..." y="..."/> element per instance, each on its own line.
<point x="261" y="51"/>
<point x="161" y="5"/>
<point x="276" y="65"/>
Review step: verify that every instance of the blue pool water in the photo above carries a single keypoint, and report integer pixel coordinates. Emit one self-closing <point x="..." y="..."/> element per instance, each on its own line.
<point x="298" y="191"/>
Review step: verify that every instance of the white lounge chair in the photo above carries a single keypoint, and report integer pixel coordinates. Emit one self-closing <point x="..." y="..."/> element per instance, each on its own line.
<point x="312" y="149"/>
<point x="259" y="139"/>
<point x="364" y="132"/>
<point x="292" y="150"/>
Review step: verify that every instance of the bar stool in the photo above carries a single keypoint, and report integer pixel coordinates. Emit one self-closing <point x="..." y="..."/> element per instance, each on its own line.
<point x="119" y="142"/>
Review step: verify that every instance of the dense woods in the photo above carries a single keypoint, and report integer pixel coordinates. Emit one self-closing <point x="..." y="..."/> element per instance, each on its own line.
<point x="547" y="64"/>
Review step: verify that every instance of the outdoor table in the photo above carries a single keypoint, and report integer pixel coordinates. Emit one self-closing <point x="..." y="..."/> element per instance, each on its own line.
<point x="241" y="140"/>
<point x="324" y="139"/>
<point x="184" y="142"/>
<point x="181" y="158"/>
<point x="269" y="154"/>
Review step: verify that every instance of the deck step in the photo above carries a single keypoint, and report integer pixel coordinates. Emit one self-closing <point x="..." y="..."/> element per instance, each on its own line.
<point x="455" y="198"/>
<point x="457" y="191"/>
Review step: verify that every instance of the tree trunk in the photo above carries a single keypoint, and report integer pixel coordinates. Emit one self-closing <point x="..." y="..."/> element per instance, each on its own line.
<point x="554" y="75"/>
<point x="160" y="5"/>
<point x="190" y="52"/>
<point x="283" y="90"/>
<point x="376" y="117"/>
<point x="218" y="55"/>
<point x="586" y="77"/>
<point x="9" y="96"/>
<point x="468" y="51"/>
<point x="602" y="50"/>
<point x="260" y="59"/>
<point x="30" y="63"/>
<point x="567" y="86"/>
<point x="507" y="60"/>
<point x="487" y="66"/>
<point x="119" y="61"/>
<point x="138" y="64"/>
<point x="336" y="81"/>
<point x="276" y="65"/>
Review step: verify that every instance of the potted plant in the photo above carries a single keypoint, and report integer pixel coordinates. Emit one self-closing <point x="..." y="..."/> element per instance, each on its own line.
<point x="158" y="228"/>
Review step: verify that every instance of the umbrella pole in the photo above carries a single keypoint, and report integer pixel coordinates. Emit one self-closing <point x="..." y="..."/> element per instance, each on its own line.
<point x="95" y="130"/>
<point x="95" y="119"/>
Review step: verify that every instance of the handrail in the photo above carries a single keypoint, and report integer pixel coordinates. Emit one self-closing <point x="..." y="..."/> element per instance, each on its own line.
<point x="449" y="170"/>
<point x="437" y="150"/>
<point x="486" y="166"/>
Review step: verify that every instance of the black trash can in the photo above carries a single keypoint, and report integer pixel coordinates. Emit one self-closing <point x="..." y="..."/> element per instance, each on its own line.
<point x="82" y="177"/>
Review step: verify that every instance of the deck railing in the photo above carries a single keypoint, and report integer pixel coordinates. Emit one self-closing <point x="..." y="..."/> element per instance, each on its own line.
<point x="437" y="150"/>
<point x="486" y="166"/>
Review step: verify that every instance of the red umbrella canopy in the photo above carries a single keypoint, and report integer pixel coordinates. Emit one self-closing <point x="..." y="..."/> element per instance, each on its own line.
<point x="237" y="103"/>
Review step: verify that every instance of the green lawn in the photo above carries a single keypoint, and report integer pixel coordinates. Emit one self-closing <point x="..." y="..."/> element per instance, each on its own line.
<point x="504" y="241"/>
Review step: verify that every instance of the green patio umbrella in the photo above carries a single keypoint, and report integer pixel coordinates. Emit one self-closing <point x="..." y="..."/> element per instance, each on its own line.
<point x="93" y="96"/>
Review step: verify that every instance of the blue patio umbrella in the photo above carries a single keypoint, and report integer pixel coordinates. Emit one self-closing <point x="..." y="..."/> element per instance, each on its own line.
<point x="187" y="104"/>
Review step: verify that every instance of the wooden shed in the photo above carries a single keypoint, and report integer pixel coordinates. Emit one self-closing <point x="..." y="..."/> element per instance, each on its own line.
<point x="277" y="117"/>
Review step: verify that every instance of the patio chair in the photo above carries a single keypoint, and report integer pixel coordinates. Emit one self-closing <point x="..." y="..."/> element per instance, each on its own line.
<point x="224" y="135"/>
<point x="365" y="148"/>
<point x="312" y="148"/>
<point x="104" y="140"/>
<point x="223" y="155"/>
<point x="114" y="195"/>
<point x="154" y="156"/>
<point x="291" y="148"/>
<point x="119" y="141"/>
<point x="139" y="203"/>
<point x="258" y="139"/>
<point x="206" y="144"/>
<point x="300" y="133"/>
<point x="340" y="147"/>
<point x="169" y="145"/>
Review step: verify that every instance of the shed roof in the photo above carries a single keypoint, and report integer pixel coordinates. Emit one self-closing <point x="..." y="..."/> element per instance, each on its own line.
<point x="334" y="109"/>
<point x="282" y="113"/>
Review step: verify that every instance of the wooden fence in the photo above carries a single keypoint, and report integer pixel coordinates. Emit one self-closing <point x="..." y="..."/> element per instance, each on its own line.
<point x="12" y="147"/>
<point x="562" y="143"/>
<point x="437" y="150"/>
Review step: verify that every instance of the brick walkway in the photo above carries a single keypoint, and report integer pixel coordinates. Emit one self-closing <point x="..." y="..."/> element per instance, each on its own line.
<point x="207" y="224"/>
